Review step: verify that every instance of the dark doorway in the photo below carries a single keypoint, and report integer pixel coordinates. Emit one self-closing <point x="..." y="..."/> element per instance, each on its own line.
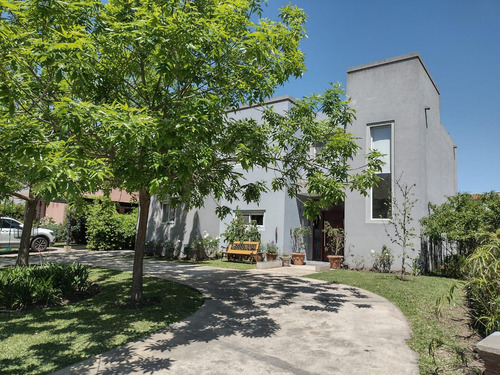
<point x="334" y="216"/>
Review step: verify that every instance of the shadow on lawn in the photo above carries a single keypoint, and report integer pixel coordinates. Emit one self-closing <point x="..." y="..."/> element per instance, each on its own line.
<point x="237" y="303"/>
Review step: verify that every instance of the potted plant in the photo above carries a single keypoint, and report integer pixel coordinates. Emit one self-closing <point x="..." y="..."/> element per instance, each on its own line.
<point x="285" y="260"/>
<point x="335" y="240"/>
<point x="299" y="245"/>
<point x="271" y="251"/>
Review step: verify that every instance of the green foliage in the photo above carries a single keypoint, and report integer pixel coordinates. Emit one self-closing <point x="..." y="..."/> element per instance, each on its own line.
<point x="10" y="209"/>
<point x="482" y="283"/>
<point x="107" y="229"/>
<point x="162" y="249"/>
<point x="239" y="230"/>
<point x="21" y="287"/>
<point x="460" y="219"/>
<point x="334" y="239"/>
<point x="382" y="261"/>
<point x="206" y="247"/>
<point x="64" y="335"/>
<point x="453" y="266"/>
<point x="59" y="230"/>
<point x="299" y="243"/>
<point x="271" y="248"/>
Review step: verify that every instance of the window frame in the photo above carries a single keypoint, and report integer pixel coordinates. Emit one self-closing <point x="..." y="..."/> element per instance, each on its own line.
<point x="369" y="198"/>
<point x="254" y="212"/>
<point x="171" y="211"/>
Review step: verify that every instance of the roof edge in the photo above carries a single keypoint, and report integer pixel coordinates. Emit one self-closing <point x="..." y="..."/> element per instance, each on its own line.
<point x="394" y="60"/>
<point x="277" y="99"/>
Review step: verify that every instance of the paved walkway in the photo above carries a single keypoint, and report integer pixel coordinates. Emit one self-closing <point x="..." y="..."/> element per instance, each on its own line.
<point x="259" y="322"/>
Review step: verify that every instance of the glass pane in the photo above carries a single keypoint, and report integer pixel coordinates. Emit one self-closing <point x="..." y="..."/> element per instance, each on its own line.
<point x="259" y="219"/>
<point x="381" y="197"/>
<point x="381" y="141"/>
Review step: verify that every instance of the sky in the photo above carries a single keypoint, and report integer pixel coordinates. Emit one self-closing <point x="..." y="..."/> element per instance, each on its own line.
<point x="459" y="42"/>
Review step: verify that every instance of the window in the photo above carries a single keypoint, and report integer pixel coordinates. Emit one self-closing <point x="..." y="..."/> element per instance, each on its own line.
<point x="10" y="224"/>
<point x="167" y="213"/>
<point x="318" y="146"/>
<point x="257" y="216"/>
<point x="381" y="194"/>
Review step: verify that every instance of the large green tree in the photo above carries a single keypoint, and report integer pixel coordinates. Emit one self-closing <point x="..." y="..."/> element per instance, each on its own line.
<point x="37" y="154"/>
<point x="153" y="82"/>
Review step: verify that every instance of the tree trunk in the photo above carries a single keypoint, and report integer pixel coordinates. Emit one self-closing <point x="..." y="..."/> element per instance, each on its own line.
<point x="140" y="244"/>
<point x="24" y="246"/>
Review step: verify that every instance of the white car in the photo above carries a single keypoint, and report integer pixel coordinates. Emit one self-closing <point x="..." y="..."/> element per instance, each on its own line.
<point x="10" y="235"/>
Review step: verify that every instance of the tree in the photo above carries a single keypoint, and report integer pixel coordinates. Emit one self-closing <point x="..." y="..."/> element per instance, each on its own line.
<point x="461" y="218"/>
<point x="36" y="153"/>
<point x="153" y="81"/>
<point x="400" y="229"/>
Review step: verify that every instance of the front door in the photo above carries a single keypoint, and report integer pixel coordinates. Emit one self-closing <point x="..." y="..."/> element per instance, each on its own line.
<point x="335" y="217"/>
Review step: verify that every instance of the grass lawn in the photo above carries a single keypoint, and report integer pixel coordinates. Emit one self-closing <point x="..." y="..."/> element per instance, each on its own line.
<point x="41" y="341"/>
<point x="444" y="344"/>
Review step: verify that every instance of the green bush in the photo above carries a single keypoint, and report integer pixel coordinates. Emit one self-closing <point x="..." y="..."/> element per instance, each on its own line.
<point x="59" y="230"/>
<point x="10" y="209"/>
<point x="109" y="230"/>
<point x="21" y="287"/>
<point x="383" y="262"/>
<point x="482" y="283"/>
<point x="239" y="230"/>
<point x="453" y="266"/>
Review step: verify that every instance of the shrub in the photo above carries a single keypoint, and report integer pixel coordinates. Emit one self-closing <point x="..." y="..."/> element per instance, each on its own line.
<point x="162" y="249"/>
<point x="59" y="230"/>
<point x="482" y="283"/>
<point x="239" y="230"/>
<point x="205" y="247"/>
<point x="453" y="266"/>
<point x="382" y="262"/>
<point x="21" y="287"/>
<point x="107" y="229"/>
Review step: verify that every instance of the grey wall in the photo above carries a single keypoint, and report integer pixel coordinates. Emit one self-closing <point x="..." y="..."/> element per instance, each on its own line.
<point x="397" y="91"/>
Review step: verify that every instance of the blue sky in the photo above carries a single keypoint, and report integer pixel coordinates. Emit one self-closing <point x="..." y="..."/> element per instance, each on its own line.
<point x="459" y="41"/>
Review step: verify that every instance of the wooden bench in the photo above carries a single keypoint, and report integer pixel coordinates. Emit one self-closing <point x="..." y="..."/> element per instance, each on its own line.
<point x="245" y="250"/>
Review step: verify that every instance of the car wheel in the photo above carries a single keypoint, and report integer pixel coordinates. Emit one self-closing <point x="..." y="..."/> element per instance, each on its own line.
<point x="39" y="244"/>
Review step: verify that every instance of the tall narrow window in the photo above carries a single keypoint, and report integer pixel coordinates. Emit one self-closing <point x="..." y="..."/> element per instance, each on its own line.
<point x="381" y="194"/>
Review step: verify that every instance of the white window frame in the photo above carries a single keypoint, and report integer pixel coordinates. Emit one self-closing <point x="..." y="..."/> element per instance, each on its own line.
<point x="255" y="212"/>
<point x="369" y="200"/>
<point x="170" y="213"/>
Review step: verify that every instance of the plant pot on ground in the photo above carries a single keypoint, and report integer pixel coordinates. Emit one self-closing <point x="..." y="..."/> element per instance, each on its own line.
<point x="271" y="250"/>
<point x="285" y="260"/>
<point x="299" y="244"/>
<point x="334" y="244"/>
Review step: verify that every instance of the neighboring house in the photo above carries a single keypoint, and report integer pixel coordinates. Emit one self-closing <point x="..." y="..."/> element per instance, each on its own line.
<point x="397" y="107"/>
<point x="57" y="209"/>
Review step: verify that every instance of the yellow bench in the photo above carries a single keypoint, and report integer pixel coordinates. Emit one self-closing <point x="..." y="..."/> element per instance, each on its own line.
<point x="245" y="250"/>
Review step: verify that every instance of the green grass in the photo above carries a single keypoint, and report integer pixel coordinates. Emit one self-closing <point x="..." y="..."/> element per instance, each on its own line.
<point x="41" y="341"/>
<point x="449" y="336"/>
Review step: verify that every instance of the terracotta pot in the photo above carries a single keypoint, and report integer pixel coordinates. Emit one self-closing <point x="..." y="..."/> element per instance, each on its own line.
<point x="271" y="257"/>
<point x="298" y="258"/>
<point x="335" y="261"/>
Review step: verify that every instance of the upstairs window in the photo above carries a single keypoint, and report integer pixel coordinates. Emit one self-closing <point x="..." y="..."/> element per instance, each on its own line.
<point x="381" y="140"/>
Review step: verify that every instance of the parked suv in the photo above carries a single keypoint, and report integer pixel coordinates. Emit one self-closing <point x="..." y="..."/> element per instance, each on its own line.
<point x="10" y="235"/>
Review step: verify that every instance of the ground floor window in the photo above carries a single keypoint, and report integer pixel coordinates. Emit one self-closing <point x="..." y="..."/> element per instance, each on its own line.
<point x="167" y="213"/>
<point x="254" y="215"/>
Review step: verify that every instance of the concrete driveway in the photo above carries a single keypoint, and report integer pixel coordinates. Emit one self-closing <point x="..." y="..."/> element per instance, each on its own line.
<point x="255" y="322"/>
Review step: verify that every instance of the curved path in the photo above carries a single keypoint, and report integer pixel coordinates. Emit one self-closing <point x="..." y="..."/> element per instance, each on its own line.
<point x="255" y="322"/>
